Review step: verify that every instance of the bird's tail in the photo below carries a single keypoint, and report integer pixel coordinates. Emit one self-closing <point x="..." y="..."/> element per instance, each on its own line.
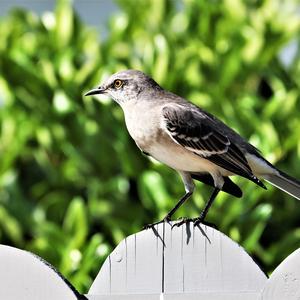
<point x="284" y="182"/>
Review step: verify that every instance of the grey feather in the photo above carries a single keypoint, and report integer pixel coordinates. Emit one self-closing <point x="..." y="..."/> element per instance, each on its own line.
<point x="198" y="132"/>
<point x="285" y="182"/>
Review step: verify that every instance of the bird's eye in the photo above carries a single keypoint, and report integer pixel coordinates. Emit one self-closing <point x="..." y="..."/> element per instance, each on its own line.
<point x="118" y="83"/>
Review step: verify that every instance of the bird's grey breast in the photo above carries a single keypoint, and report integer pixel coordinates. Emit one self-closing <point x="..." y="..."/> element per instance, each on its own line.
<point x="142" y="122"/>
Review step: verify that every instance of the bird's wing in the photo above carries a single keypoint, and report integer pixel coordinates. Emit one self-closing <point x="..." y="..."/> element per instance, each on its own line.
<point x="199" y="133"/>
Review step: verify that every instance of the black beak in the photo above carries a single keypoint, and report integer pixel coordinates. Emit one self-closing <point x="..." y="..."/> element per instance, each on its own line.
<point x="96" y="91"/>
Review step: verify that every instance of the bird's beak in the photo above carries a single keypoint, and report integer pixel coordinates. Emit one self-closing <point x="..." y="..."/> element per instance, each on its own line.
<point x="97" y="91"/>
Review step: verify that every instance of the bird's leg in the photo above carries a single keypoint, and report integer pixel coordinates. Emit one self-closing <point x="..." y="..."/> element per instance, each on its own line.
<point x="218" y="182"/>
<point x="179" y="203"/>
<point x="204" y="212"/>
<point x="168" y="216"/>
<point x="189" y="188"/>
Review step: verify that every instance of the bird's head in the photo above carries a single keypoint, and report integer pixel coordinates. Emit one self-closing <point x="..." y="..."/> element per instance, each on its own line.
<point x="125" y="86"/>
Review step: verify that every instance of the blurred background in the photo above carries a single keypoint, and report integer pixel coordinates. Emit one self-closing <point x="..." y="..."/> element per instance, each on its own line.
<point x="72" y="182"/>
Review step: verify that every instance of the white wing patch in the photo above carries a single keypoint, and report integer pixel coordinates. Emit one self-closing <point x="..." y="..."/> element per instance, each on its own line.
<point x="259" y="167"/>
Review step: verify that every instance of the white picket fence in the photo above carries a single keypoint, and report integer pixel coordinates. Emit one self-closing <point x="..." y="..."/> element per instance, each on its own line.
<point x="185" y="262"/>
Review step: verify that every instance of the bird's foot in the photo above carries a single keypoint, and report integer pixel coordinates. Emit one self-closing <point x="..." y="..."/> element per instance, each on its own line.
<point x="199" y="220"/>
<point x="195" y="221"/>
<point x="182" y="221"/>
<point x="166" y="219"/>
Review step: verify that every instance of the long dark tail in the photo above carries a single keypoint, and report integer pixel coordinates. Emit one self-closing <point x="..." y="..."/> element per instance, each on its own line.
<point x="285" y="182"/>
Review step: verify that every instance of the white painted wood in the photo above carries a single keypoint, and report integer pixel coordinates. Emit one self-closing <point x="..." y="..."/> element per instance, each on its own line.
<point x="124" y="297"/>
<point x="180" y="261"/>
<point x="24" y="276"/>
<point x="202" y="259"/>
<point x="198" y="296"/>
<point x="284" y="283"/>
<point x="183" y="263"/>
<point x="134" y="267"/>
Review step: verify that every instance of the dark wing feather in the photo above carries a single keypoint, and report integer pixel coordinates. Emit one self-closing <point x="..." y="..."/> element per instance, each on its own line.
<point x="200" y="134"/>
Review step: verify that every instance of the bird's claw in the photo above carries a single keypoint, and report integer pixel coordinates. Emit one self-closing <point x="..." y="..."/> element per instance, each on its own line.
<point x="196" y="222"/>
<point x="182" y="221"/>
<point x="164" y="220"/>
<point x="199" y="220"/>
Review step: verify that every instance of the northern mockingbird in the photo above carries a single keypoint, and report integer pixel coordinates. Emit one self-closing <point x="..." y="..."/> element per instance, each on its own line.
<point x="186" y="138"/>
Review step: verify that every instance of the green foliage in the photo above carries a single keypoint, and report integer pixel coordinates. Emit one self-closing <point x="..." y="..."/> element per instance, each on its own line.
<point x="72" y="182"/>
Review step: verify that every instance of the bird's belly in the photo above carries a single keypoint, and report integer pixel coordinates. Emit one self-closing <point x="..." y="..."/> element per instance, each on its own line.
<point x="177" y="157"/>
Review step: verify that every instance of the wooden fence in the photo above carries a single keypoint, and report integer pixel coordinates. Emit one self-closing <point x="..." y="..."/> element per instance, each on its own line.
<point x="185" y="262"/>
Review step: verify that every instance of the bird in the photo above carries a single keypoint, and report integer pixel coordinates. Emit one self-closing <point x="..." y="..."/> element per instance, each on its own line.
<point x="190" y="140"/>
